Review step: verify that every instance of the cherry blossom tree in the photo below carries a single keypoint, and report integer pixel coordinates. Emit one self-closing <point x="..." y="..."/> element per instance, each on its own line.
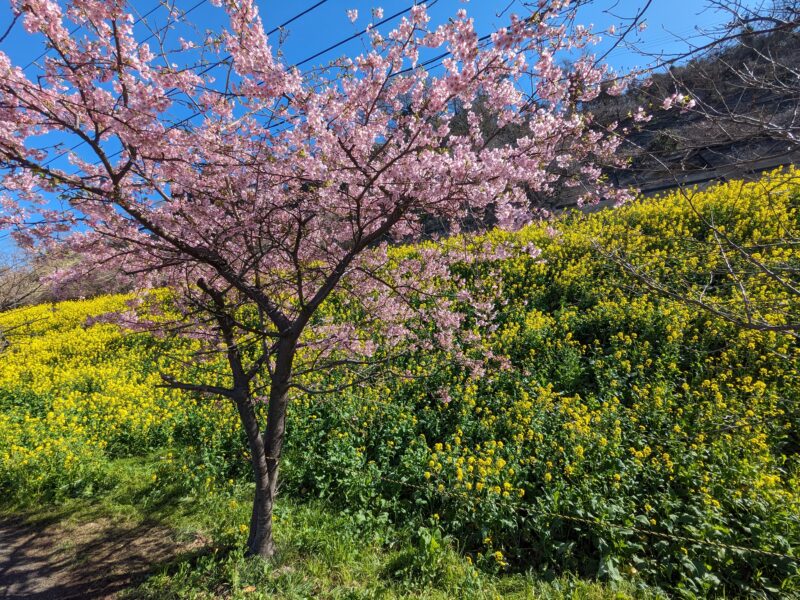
<point x="255" y="190"/>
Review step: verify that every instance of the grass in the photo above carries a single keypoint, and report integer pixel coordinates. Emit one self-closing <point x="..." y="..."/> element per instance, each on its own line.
<point x="630" y="431"/>
<point x="321" y="554"/>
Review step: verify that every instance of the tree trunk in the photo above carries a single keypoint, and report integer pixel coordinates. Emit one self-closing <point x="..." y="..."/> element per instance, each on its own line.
<point x="265" y="451"/>
<point x="259" y="542"/>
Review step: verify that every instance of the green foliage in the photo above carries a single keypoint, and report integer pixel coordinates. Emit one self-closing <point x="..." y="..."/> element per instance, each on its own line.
<point x="615" y="434"/>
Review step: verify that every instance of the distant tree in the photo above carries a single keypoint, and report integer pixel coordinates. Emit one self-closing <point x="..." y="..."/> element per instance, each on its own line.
<point x="725" y="102"/>
<point x="733" y="101"/>
<point x="745" y="82"/>
<point x="18" y="284"/>
<point x="255" y="190"/>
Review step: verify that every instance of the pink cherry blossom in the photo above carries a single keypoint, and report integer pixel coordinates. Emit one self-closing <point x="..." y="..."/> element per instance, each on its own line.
<point x="282" y="187"/>
<point x="682" y="101"/>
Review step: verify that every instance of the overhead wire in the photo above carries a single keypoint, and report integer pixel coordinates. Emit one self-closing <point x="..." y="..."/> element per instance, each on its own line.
<point x="148" y="38"/>
<point x="172" y="92"/>
<point x="77" y="28"/>
<point x="358" y="34"/>
<point x="211" y="66"/>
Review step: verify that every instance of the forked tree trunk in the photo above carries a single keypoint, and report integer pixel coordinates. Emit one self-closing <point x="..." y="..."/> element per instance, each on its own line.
<point x="259" y="542"/>
<point x="265" y="450"/>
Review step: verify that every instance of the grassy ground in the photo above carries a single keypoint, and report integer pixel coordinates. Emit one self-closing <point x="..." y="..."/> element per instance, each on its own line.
<point x="145" y="540"/>
<point x="614" y="434"/>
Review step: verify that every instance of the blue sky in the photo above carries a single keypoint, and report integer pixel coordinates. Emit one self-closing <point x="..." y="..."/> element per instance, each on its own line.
<point x="327" y="24"/>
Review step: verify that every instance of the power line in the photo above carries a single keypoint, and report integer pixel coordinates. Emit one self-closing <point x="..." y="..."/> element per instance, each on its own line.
<point x="358" y="34"/>
<point x="76" y="29"/>
<point x="171" y="92"/>
<point x="326" y="50"/>
<point x="148" y="38"/>
<point x="208" y="68"/>
<point x="226" y="58"/>
<point x="297" y="16"/>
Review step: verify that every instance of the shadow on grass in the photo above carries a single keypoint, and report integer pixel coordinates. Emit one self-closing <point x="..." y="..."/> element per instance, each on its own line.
<point x="95" y="559"/>
<point x="94" y="549"/>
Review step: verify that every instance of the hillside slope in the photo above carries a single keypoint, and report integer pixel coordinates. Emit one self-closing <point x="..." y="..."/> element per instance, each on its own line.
<point x="618" y="435"/>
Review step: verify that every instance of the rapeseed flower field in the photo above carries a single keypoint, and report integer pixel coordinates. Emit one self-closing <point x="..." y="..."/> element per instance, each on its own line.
<point x="623" y="434"/>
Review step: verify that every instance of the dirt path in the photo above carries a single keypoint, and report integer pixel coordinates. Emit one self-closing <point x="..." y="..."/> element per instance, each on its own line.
<point x="92" y="560"/>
